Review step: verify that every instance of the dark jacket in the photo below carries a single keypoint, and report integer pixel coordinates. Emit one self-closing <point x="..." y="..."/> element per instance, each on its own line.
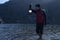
<point x="40" y="16"/>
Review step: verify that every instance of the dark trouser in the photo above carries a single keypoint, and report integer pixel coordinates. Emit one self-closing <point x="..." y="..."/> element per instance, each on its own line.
<point x="39" y="29"/>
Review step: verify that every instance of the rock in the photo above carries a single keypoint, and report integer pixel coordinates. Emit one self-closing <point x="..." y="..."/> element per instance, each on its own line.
<point x="27" y="32"/>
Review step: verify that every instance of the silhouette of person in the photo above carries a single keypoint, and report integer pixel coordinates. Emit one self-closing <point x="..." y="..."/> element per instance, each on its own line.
<point x="40" y="19"/>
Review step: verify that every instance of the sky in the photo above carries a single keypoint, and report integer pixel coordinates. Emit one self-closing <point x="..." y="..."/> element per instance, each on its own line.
<point x="3" y="1"/>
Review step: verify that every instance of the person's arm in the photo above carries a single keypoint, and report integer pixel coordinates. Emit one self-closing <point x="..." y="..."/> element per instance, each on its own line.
<point x="34" y="11"/>
<point x="44" y="17"/>
<point x="31" y="10"/>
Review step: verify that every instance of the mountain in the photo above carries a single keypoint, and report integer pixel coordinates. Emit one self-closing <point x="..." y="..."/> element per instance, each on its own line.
<point x="16" y="11"/>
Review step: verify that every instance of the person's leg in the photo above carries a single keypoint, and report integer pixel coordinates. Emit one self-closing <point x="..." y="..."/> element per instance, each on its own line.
<point x="39" y="30"/>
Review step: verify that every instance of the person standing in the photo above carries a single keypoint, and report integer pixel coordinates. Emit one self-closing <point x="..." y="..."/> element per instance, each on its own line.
<point x="40" y="19"/>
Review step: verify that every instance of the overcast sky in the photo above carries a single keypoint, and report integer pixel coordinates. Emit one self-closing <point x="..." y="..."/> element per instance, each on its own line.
<point x="3" y="1"/>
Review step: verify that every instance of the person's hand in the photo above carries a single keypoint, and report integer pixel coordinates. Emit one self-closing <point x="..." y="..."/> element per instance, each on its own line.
<point x="45" y="23"/>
